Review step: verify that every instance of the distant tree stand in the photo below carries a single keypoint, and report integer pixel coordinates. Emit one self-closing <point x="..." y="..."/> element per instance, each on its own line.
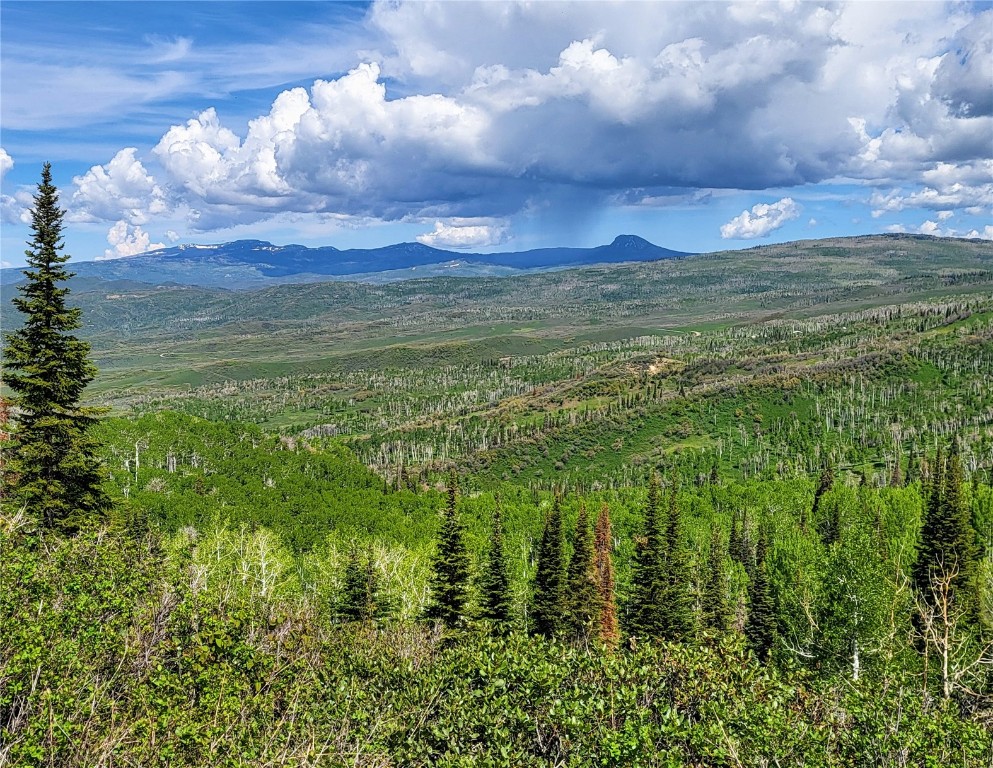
<point x="50" y="468"/>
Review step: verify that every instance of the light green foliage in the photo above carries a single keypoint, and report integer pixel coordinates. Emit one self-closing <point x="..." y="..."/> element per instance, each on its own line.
<point x="140" y="657"/>
<point x="190" y="470"/>
<point x="856" y="600"/>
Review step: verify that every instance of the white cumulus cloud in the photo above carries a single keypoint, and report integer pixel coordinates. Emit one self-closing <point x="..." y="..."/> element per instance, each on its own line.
<point x="975" y="234"/>
<point x="935" y="229"/>
<point x="763" y="219"/>
<point x="6" y="162"/>
<point x="14" y="209"/>
<point x="121" y="189"/>
<point x="127" y="240"/>
<point x="342" y="147"/>
<point x="464" y="234"/>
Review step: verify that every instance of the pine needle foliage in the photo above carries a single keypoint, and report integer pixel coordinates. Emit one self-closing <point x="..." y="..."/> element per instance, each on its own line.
<point x="360" y="600"/>
<point x="760" y="627"/>
<point x="677" y="602"/>
<point x="549" y="581"/>
<point x="826" y="522"/>
<point x="582" y="595"/>
<point x="494" y="583"/>
<point x="648" y="574"/>
<point x="948" y="539"/>
<point x="450" y="566"/>
<point x="713" y="601"/>
<point x="51" y="468"/>
<point x="608" y="631"/>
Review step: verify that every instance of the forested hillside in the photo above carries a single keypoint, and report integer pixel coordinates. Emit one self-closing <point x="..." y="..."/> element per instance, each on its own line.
<point x="667" y="529"/>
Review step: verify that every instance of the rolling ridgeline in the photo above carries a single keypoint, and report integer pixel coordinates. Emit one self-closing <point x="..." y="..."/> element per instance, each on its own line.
<point x="818" y="421"/>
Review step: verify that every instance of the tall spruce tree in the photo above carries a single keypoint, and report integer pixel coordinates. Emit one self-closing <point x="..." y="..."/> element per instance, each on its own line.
<point x="713" y="602"/>
<point x="607" y="630"/>
<point x="581" y="594"/>
<point x="824" y="484"/>
<point x="825" y="516"/>
<point x="760" y="627"/>
<point x="360" y="593"/>
<point x="494" y="582"/>
<point x="450" y="566"/>
<point x="51" y="468"/>
<point x="549" y="580"/>
<point x="677" y="602"/>
<point x="648" y="573"/>
<point x="948" y="539"/>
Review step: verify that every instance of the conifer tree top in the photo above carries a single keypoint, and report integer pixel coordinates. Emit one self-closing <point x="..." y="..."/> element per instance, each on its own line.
<point x="52" y="470"/>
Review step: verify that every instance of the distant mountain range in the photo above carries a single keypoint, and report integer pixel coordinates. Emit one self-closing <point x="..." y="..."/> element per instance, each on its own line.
<point x="254" y="263"/>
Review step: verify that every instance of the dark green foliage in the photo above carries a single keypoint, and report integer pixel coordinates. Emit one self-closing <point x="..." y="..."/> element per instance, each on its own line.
<point x="608" y="631"/>
<point x="648" y="572"/>
<point x="760" y="628"/>
<point x="740" y="542"/>
<point x="677" y="602"/>
<point x="230" y="656"/>
<point x="582" y="598"/>
<point x="825" y="519"/>
<point x="494" y="582"/>
<point x="896" y="474"/>
<point x="947" y="546"/>
<point x="450" y="566"/>
<point x="662" y="606"/>
<point x="714" y="607"/>
<point x="360" y="599"/>
<point x="548" y="605"/>
<point x="50" y="466"/>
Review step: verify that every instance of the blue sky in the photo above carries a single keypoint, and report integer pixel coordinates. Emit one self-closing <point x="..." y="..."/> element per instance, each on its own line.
<point x="496" y="126"/>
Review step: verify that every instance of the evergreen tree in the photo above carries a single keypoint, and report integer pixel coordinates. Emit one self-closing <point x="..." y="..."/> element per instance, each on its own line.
<point x="51" y="468"/>
<point x="714" y="605"/>
<point x="826" y="521"/>
<point x="494" y="584"/>
<point x="740" y="543"/>
<point x="760" y="627"/>
<point x="607" y="629"/>
<point x="948" y="540"/>
<point x="677" y="602"/>
<point x="896" y="476"/>
<point x="648" y="574"/>
<point x="581" y="594"/>
<point x="450" y="566"/>
<point x="549" y="580"/>
<point x="360" y="593"/>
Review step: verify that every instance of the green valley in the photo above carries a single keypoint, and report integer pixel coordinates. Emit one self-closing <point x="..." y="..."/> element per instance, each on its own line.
<point x="792" y="445"/>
